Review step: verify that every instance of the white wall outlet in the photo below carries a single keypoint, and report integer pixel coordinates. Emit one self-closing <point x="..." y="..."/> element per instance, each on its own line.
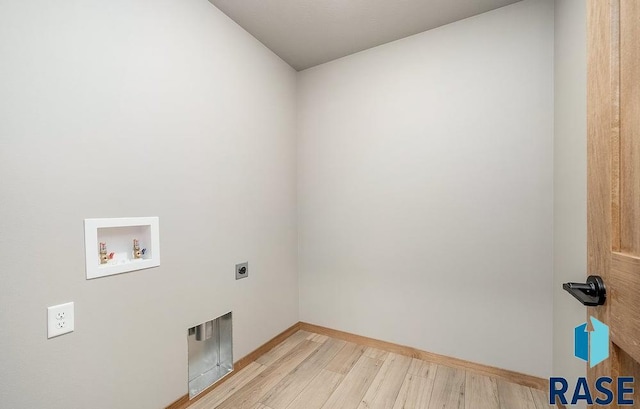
<point x="60" y="319"/>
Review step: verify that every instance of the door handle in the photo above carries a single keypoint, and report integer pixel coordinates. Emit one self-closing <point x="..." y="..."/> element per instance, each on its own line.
<point x="592" y="293"/>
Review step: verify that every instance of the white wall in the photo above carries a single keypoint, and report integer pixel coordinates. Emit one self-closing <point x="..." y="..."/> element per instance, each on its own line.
<point x="425" y="184"/>
<point x="138" y="108"/>
<point x="570" y="179"/>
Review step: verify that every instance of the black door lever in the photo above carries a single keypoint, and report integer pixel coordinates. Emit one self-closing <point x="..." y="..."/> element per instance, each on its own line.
<point x="592" y="293"/>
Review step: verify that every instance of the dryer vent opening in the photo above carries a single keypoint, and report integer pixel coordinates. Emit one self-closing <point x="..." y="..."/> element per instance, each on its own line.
<point x="210" y="353"/>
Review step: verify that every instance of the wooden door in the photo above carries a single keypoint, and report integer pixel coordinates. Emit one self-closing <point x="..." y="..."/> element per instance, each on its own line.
<point x="613" y="207"/>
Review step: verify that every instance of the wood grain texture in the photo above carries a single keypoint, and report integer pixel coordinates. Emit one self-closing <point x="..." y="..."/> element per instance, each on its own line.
<point x="511" y="376"/>
<point x="267" y="346"/>
<point x="316" y="394"/>
<point x="422" y="368"/>
<point x="375" y="353"/>
<point x="183" y="402"/>
<point x="624" y="317"/>
<point x="613" y="181"/>
<point x="291" y="385"/>
<point x="416" y="389"/>
<point x="250" y="395"/>
<point x="346" y="358"/>
<point x="600" y="95"/>
<point x="481" y="391"/>
<point x="299" y="379"/>
<point x="629" y="113"/>
<point x="541" y="399"/>
<point x="624" y="278"/>
<point x="385" y="387"/>
<point x="422" y="365"/>
<point x="354" y="385"/>
<point x="228" y="388"/>
<point x="282" y="348"/>
<point x="615" y="151"/>
<point x="513" y="396"/>
<point x="317" y="338"/>
<point x="448" y="389"/>
<point x="630" y="367"/>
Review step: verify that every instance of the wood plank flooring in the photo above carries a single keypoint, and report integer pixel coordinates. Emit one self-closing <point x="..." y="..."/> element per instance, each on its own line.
<point x="312" y="371"/>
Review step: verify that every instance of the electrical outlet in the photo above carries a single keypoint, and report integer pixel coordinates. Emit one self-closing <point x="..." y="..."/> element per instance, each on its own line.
<point x="242" y="270"/>
<point x="60" y="319"/>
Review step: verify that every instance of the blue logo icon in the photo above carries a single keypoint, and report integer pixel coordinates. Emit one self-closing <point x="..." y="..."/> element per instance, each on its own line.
<point x="592" y="346"/>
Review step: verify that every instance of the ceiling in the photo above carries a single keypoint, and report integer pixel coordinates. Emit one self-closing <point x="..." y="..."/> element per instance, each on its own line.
<point x="305" y="33"/>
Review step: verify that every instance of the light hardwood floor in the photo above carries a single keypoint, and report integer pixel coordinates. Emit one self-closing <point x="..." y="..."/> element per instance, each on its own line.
<point x="312" y="371"/>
